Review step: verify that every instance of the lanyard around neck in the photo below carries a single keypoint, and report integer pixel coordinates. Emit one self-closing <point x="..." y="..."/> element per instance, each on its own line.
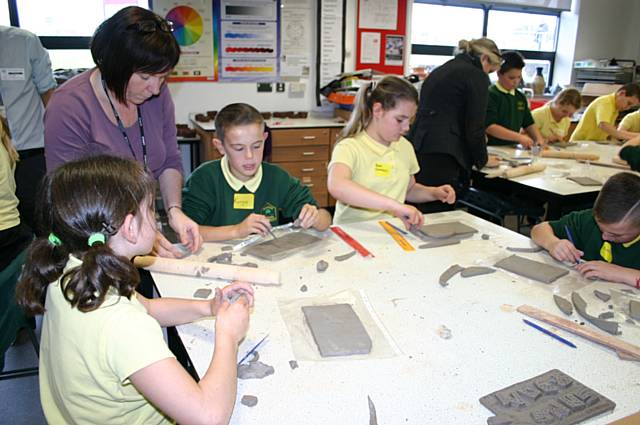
<point x="124" y="132"/>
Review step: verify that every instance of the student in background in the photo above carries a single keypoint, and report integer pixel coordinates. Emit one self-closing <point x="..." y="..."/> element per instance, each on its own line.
<point x="449" y="132"/>
<point x="630" y="152"/>
<point x="629" y="127"/>
<point x="554" y="118"/>
<point x="508" y="109"/>
<point x="372" y="167"/>
<point x="103" y="358"/>
<point x="598" y="120"/>
<point x="239" y="194"/>
<point x="14" y="234"/>
<point x="603" y="242"/>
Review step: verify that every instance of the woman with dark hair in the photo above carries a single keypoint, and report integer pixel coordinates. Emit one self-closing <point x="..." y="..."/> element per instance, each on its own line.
<point x="449" y="132"/>
<point x="123" y="107"/>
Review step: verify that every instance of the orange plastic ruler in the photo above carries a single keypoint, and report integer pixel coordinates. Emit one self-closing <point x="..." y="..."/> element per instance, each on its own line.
<point x="400" y="240"/>
<point x="351" y="242"/>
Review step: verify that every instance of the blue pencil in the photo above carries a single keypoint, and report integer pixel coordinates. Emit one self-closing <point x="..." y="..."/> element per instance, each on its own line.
<point x="551" y="334"/>
<point x="396" y="227"/>
<point x="255" y="347"/>
<point x="570" y="236"/>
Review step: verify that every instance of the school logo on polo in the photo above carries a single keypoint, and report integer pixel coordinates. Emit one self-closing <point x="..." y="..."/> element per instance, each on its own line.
<point x="270" y="211"/>
<point x="520" y="105"/>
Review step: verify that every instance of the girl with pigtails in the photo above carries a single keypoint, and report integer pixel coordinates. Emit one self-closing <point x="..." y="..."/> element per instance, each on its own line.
<point x="103" y="358"/>
<point x="371" y="173"/>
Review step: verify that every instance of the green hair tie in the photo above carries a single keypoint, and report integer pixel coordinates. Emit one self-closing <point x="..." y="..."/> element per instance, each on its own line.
<point x="54" y="240"/>
<point x="96" y="237"/>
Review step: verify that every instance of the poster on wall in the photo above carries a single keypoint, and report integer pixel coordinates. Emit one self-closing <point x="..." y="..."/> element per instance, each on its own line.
<point x="393" y="50"/>
<point x="370" y="47"/>
<point x="193" y="28"/>
<point x="295" y="39"/>
<point x="331" y="40"/>
<point x="249" y="40"/>
<point x="378" y="14"/>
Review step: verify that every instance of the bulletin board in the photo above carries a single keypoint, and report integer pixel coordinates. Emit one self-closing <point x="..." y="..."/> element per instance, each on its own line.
<point x="381" y="44"/>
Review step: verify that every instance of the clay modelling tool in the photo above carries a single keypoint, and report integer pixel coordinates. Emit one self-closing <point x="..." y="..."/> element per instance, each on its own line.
<point x="402" y="232"/>
<point x="570" y="236"/>
<point x="400" y="240"/>
<point x="272" y="234"/>
<point x="245" y="243"/>
<point x="351" y="242"/>
<point x="570" y="155"/>
<point x="624" y="350"/>
<point x="606" y="164"/>
<point x="255" y="347"/>
<point x="209" y="270"/>
<point x="551" y="334"/>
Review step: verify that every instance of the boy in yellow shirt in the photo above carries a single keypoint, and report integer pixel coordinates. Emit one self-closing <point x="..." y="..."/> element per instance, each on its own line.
<point x="554" y="118"/>
<point x="630" y="125"/>
<point x="598" y="120"/>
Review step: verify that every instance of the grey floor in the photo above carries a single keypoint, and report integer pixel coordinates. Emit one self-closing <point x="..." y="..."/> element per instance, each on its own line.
<point x="20" y="397"/>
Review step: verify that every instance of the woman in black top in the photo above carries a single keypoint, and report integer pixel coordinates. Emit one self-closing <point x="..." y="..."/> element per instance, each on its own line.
<point x="449" y="132"/>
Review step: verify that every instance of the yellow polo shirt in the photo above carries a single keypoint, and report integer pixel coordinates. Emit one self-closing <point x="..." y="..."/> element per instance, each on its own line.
<point x="9" y="216"/>
<point x="547" y="125"/>
<point x="603" y="109"/>
<point x="86" y="360"/>
<point x="631" y="122"/>
<point x="383" y="169"/>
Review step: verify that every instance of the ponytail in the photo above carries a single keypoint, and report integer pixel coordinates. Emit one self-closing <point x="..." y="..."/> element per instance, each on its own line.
<point x="388" y="91"/>
<point x="480" y="46"/>
<point x="5" y="139"/>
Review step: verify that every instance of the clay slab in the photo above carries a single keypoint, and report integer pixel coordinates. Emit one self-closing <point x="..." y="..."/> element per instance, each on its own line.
<point x="531" y="269"/>
<point x="523" y="249"/>
<point x="602" y="295"/>
<point x="282" y="247"/>
<point x="439" y="243"/>
<point x="585" y="181"/>
<point x="476" y="271"/>
<point x="581" y="308"/>
<point x="553" y="398"/>
<point x="337" y="330"/>
<point x="634" y="309"/>
<point x="563" y="304"/>
<point x="448" y="229"/>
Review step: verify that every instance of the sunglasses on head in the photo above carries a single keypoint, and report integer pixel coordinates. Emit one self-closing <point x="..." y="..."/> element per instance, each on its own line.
<point x="150" y="26"/>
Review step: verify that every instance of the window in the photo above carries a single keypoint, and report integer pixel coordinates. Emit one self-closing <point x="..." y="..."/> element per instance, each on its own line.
<point x="532" y="32"/>
<point x="4" y="14"/>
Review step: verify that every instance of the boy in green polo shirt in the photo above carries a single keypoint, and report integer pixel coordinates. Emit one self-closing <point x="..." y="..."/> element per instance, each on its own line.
<point x="603" y="241"/>
<point x="239" y="194"/>
<point x="508" y="109"/>
<point x="598" y="120"/>
<point x="630" y="152"/>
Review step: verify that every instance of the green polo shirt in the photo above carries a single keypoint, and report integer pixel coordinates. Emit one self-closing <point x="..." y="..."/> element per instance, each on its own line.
<point x="587" y="237"/>
<point x="631" y="154"/>
<point x="212" y="200"/>
<point x="508" y="108"/>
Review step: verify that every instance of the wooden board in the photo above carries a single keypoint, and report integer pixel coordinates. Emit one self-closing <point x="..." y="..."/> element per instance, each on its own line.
<point x="625" y="350"/>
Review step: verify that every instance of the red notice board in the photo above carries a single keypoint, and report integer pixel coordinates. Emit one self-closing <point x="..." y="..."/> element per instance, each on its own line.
<point x="400" y="30"/>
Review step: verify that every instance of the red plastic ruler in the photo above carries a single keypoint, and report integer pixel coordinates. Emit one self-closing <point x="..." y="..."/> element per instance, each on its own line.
<point x="351" y="242"/>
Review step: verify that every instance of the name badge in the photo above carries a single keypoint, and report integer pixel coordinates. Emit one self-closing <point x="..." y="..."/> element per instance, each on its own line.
<point x="243" y="201"/>
<point x="12" y="74"/>
<point x="383" y="169"/>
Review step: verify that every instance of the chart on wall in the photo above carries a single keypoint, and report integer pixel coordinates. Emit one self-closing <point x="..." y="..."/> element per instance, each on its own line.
<point x="249" y="34"/>
<point x="193" y="28"/>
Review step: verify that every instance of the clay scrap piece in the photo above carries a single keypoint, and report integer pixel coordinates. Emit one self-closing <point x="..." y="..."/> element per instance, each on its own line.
<point x="226" y="248"/>
<point x="249" y="400"/>
<point x="563" y="304"/>
<point x="224" y="258"/>
<point x="337" y="330"/>
<point x="303" y="288"/>
<point x="446" y="230"/>
<point x="373" y="417"/>
<point x="634" y="309"/>
<point x="282" y="247"/>
<point x="476" y="271"/>
<point x="531" y="269"/>
<point x="293" y="364"/>
<point x="254" y="369"/>
<point x="444" y="332"/>
<point x="449" y="273"/>
<point x="485" y="237"/>
<point x="321" y="266"/>
<point x="439" y="243"/>
<point x="524" y="249"/>
<point x="344" y="257"/>
<point x="581" y="308"/>
<point x="601" y="295"/>
<point x="606" y="315"/>
<point x="553" y="398"/>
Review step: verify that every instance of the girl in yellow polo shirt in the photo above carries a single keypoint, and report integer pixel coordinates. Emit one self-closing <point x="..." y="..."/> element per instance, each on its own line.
<point x="554" y="118"/>
<point x="371" y="173"/>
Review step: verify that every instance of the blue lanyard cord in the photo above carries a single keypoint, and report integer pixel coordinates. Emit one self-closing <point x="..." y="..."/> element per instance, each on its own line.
<point x="124" y="133"/>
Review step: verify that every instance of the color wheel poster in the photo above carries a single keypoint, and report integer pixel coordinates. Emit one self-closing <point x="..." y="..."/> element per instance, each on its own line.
<point x="249" y="40"/>
<point x="193" y="28"/>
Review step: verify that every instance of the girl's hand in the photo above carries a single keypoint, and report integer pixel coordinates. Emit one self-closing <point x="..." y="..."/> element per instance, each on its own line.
<point x="232" y="320"/>
<point x="308" y="216"/>
<point x="230" y="292"/>
<point x="409" y="215"/>
<point x="163" y="248"/>
<point x="444" y="193"/>
<point x="564" y="250"/>
<point x="187" y="229"/>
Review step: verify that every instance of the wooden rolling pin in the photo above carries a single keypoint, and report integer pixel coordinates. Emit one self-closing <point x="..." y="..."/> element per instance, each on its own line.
<point x="522" y="170"/>
<point x="569" y="155"/>
<point x="619" y="164"/>
<point x="625" y="350"/>
<point x="210" y="270"/>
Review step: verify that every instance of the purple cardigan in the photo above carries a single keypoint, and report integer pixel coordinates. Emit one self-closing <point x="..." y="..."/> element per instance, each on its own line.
<point x="75" y="126"/>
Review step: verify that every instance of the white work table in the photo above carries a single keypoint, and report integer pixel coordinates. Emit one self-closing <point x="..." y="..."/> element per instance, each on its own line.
<point x="432" y="380"/>
<point x="312" y="121"/>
